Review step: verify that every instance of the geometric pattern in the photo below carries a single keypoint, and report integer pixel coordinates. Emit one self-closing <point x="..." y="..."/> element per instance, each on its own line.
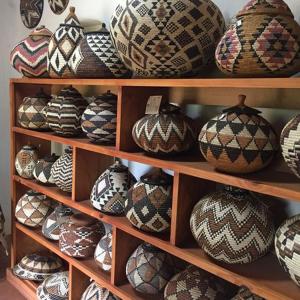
<point x="167" y="38"/>
<point x="37" y="267"/>
<point x="96" y="57"/>
<point x="25" y="161"/>
<point x="238" y="141"/>
<point x="99" y="120"/>
<point x="232" y="226"/>
<point x="31" y="12"/>
<point x="264" y="41"/>
<point x="29" y="57"/>
<point x="195" y="284"/>
<point x="245" y="294"/>
<point x="62" y="45"/>
<point x="42" y="170"/>
<point x="149" y="269"/>
<point x="55" y="287"/>
<point x="58" y="6"/>
<point x="96" y="292"/>
<point x="31" y="112"/>
<point x="110" y="190"/>
<point x="62" y="171"/>
<point x="64" y="112"/>
<point x="52" y="224"/>
<point x="287" y="246"/>
<point x="103" y="252"/>
<point x="32" y="209"/>
<point x="149" y="201"/>
<point x="290" y="144"/>
<point x="168" y="132"/>
<point x="79" y="238"/>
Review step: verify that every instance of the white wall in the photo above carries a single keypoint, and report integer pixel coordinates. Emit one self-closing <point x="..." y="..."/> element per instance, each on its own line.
<point x="12" y="30"/>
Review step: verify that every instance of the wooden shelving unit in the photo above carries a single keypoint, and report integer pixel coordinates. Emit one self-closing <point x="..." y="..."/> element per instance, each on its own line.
<point x="193" y="178"/>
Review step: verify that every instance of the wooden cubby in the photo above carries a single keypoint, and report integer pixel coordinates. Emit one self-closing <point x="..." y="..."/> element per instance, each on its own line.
<point x="193" y="178"/>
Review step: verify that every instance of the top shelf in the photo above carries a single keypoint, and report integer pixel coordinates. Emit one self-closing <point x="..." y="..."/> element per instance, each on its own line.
<point x="251" y="83"/>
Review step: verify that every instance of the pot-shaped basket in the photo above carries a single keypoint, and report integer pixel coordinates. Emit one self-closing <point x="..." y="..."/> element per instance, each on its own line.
<point x="32" y="209"/>
<point x="54" y="287"/>
<point x="64" y="112"/>
<point x="37" y="267"/>
<point x="103" y="252"/>
<point x="195" y="284"/>
<point x="62" y="46"/>
<point x="26" y="160"/>
<point x="162" y="39"/>
<point x="149" y="269"/>
<point x="287" y="243"/>
<point x="29" y="57"/>
<point x="96" y="57"/>
<point x="99" y="120"/>
<point x="31" y="112"/>
<point x="80" y="235"/>
<point x="289" y="140"/>
<point x="264" y="41"/>
<point x="42" y="170"/>
<point x="95" y="291"/>
<point x="110" y="190"/>
<point x="232" y="226"/>
<point x="149" y="202"/>
<point x="62" y="171"/>
<point x="59" y="216"/>
<point x="166" y="133"/>
<point x="239" y="140"/>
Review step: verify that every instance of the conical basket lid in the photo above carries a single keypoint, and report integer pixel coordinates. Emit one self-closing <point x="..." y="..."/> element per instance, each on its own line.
<point x="72" y="19"/>
<point x="41" y="31"/>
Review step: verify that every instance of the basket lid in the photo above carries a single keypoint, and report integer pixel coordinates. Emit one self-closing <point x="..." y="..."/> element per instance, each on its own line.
<point x="29" y="148"/>
<point x="241" y="108"/>
<point x="69" y="150"/>
<point x="108" y="96"/>
<point x="72" y="19"/>
<point x="268" y="7"/>
<point x="118" y="167"/>
<point x="42" y="94"/>
<point x="103" y="30"/>
<point x="51" y="158"/>
<point x="41" y="31"/>
<point x="169" y="109"/>
<point x="157" y="177"/>
<point x="82" y="220"/>
<point x="34" y="193"/>
<point x="69" y="92"/>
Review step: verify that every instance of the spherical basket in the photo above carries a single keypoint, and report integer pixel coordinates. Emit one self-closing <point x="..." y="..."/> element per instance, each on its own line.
<point x="195" y="284"/>
<point x="264" y="41"/>
<point x="149" y="203"/>
<point x="238" y="140"/>
<point x="245" y="294"/>
<point x="95" y="291"/>
<point x="26" y="160"/>
<point x="103" y="252"/>
<point x="149" y="269"/>
<point x="287" y="243"/>
<point x="156" y="38"/>
<point x="166" y="133"/>
<point x="232" y="226"/>
<point x="42" y="170"/>
<point x="289" y="140"/>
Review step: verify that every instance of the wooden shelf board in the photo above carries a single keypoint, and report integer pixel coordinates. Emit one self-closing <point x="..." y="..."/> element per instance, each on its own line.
<point x="256" y="276"/>
<point x="292" y="83"/>
<point x="275" y="181"/>
<point x="26" y="287"/>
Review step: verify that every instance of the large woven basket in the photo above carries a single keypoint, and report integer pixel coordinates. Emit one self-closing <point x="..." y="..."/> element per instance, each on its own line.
<point x="264" y="41"/>
<point x="26" y="160"/>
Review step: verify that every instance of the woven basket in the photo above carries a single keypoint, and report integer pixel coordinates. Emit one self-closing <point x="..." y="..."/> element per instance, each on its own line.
<point x="95" y="292"/>
<point x="42" y="170"/>
<point x="103" y="252"/>
<point x="64" y="112"/>
<point x="264" y="41"/>
<point x="195" y="284"/>
<point x="245" y="294"/>
<point x="232" y="226"/>
<point x="58" y="6"/>
<point x="62" y="46"/>
<point x="156" y="38"/>
<point x="287" y="245"/>
<point x="99" y="120"/>
<point x="166" y="133"/>
<point x="149" y="202"/>
<point x="31" y="112"/>
<point x="26" y="160"/>
<point x="79" y="236"/>
<point x="289" y="140"/>
<point x="29" y="57"/>
<point x="238" y="140"/>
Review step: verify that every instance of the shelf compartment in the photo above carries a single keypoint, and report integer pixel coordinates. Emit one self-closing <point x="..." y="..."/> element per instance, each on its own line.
<point x="275" y="180"/>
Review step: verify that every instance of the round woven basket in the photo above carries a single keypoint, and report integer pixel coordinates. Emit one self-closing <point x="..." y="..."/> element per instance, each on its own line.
<point x="42" y="170"/>
<point x="232" y="226"/>
<point x="103" y="252"/>
<point x="264" y="41"/>
<point x="287" y="245"/>
<point x="26" y="160"/>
